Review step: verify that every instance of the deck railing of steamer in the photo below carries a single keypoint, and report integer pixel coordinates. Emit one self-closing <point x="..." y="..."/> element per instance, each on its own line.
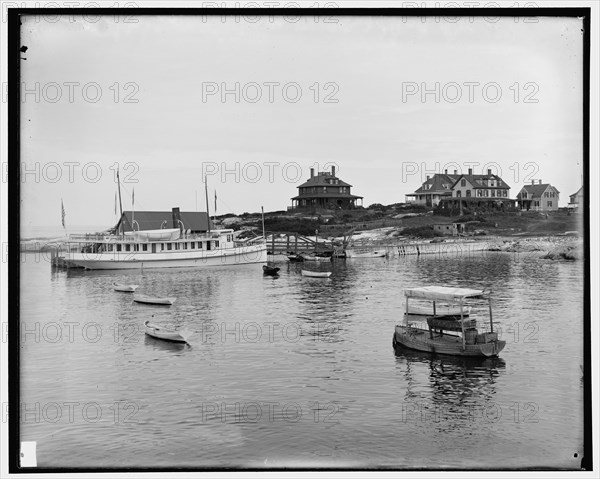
<point x="91" y="238"/>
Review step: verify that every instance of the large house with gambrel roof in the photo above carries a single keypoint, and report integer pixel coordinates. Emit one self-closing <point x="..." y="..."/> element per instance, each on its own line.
<point x="459" y="190"/>
<point x="324" y="191"/>
<point x="538" y="197"/>
<point x="480" y="187"/>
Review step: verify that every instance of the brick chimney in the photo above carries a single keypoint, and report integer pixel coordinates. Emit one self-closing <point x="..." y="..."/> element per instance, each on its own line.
<point x="455" y="172"/>
<point x="470" y="171"/>
<point x="333" y="171"/>
<point x="427" y="177"/>
<point x="312" y="172"/>
<point x="533" y="182"/>
<point x="489" y="172"/>
<point x="540" y="182"/>
<point x="445" y="172"/>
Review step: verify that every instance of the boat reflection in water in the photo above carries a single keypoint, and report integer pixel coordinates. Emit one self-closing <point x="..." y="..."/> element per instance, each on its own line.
<point x="463" y="389"/>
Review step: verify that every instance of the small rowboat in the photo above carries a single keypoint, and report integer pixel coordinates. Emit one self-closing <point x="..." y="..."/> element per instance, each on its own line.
<point x="142" y="298"/>
<point x="163" y="333"/>
<point x="317" y="257"/>
<point x="295" y="258"/>
<point x="125" y="288"/>
<point x="364" y="253"/>
<point x="270" y="270"/>
<point x="316" y="274"/>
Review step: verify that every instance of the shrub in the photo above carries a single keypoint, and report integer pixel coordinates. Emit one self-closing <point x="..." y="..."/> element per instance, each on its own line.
<point x="425" y="231"/>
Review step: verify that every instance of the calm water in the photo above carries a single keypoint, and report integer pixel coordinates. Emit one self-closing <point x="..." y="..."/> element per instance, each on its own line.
<point x="297" y="371"/>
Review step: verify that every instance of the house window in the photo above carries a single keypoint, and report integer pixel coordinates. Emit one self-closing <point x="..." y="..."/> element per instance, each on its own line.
<point x="144" y="247"/>
<point x="216" y="244"/>
<point x="463" y="182"/>
<point x="127" y="247"/>
<point x="478" y="192"/>
<point x="505" y="193"/>
<point x="468" y="193"/>
<point x="324" y="189"/>
<point x="549" y="203"/>
<point x="536" y="203"/>
<point x="169" y="246"/>
<point x="494" y="193"/>
<point x="118" y="247"/>
<point x="487" y="192"/>
<point x="458" y="194"/>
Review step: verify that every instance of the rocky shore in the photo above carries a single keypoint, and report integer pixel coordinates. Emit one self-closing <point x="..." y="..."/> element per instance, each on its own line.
<point x="551" y="247"/>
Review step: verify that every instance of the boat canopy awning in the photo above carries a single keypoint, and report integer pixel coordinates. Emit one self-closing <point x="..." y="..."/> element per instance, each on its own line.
<point x="444" y="293"/>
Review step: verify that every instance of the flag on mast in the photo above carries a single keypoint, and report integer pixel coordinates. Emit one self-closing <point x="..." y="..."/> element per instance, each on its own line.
<point x="62" y="210"/>
<point x="215" y="201"/>
<point x="133" y="197"/>
<point x="115" y="203"/>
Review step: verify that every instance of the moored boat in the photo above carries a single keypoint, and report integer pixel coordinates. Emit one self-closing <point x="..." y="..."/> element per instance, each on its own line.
<point x="143" y="298"/>
<point x="295" y="258"/>
<point x="158" y="246"/>
<point x="212" y="248"/>
<point x="270" y="270"/>
<point x="163" y="333"/>
<point x="317" y="257"/>
<point x="125" y="288"/>
<point x="316" y="274"/>
<point x="366" y="253"/>
<point x="436" y="339"/>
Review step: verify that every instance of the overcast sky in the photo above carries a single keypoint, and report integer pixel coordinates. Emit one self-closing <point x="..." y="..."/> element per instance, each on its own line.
<point x="153" y="104"/>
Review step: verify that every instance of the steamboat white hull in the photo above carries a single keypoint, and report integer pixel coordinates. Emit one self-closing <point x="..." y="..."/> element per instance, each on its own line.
<point x="175" y="259"/>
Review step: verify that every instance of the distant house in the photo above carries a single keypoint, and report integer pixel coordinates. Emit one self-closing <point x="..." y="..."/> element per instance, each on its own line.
<point x="538" y="197"/>
<point x="194" y="221"/>
<point x="576" y="200"/>
<point x="324" y="191"/>
<point x="452" y="229"/>
<point x="433" y="190"/>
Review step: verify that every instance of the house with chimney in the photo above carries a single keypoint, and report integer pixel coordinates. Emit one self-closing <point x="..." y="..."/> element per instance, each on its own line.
<point x="463" y="190"/>
<point x="187" y="222"/>
<point x="576" y="200"/>
<point x="326" y="191"/>
<point x="538" y="197"/>
<point x="433" y="190"/>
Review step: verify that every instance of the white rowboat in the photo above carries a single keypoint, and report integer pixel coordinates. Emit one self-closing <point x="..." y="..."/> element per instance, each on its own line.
<point x="163" y="333"/>
<point x="316" y="274"/>
<point x="125" y="288"/>
<point x="142" y="298"/>
<point x="361" y="253"/>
